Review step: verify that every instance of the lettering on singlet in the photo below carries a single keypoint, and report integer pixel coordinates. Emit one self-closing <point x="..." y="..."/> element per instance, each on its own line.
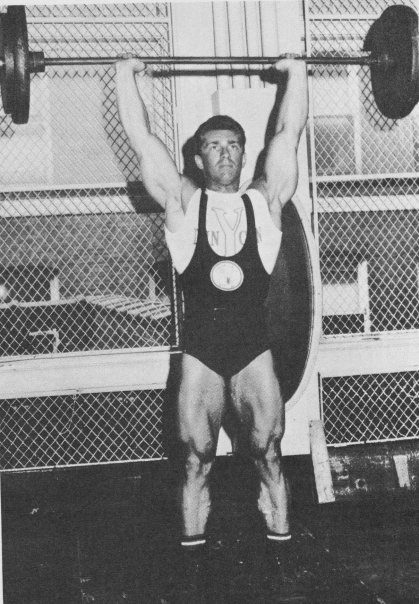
<point x="230" y="239"/>
<point x="231" y="243"/>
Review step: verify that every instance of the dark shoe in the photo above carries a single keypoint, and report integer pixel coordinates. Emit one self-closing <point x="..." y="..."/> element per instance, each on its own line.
<point x="243" y="576"/>
<point x="190" y="581"/>
<point x="288" y="577"/>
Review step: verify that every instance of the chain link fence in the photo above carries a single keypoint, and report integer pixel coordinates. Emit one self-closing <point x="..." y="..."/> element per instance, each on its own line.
<point x="365" y="185"/>
<point x="362" y="409"/>
<point x="81" y="428"/>
<point x="84" y="264"/>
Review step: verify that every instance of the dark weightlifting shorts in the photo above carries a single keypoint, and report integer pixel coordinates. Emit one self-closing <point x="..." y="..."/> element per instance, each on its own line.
<point x="226" y="341"/>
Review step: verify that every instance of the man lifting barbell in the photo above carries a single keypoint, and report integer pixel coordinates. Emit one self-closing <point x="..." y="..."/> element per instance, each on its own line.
<point x="224" y="286"/>
<point x="227" y="358"/>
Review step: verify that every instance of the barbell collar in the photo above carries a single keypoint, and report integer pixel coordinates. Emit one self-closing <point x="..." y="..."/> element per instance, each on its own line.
<point x="36" y="61"/>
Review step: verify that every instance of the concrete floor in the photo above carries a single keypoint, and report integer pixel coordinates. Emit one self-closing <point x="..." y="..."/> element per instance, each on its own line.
<point x="106" y="535"/>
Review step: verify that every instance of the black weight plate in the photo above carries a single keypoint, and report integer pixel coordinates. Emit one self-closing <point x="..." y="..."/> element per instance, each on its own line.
<point x="292" y="306"/>
<point x="20" y="113"/>
<point x="395" y="86"/>
<point x="2" y="68"/>
<point x="7" y="78"/>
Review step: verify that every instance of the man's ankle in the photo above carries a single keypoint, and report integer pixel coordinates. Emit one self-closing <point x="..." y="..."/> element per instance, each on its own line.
<point x="274" y="537"/>
<point x="193" y="542"/>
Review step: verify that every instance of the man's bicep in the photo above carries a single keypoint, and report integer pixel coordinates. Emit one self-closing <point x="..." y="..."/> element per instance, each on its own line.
<point x="281" y="170"/>
<point x="158" y="171"/>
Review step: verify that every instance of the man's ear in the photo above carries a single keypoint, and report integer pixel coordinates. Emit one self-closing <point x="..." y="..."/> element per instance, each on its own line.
<point x="198" y="161"/>
<point x="244" y="160"/>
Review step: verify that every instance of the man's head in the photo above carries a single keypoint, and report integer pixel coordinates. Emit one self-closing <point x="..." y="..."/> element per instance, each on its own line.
<point x="218" y="122"/>
<point x="219" y="152"/>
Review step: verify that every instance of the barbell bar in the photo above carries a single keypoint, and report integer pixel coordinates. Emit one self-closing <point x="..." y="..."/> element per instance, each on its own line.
<point x="392" y="43"/>
<point x="205" y="60"/>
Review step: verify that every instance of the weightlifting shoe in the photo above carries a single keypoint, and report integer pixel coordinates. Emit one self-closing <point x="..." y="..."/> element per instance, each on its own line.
<point x="287" y="576"/>
<point x="190" y="582"/>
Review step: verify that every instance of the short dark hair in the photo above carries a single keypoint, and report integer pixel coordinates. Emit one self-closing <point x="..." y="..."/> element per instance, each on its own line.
<point x="218" y="122"/>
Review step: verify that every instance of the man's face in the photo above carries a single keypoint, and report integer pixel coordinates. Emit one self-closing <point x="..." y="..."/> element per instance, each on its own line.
<point x="222" y="158"/>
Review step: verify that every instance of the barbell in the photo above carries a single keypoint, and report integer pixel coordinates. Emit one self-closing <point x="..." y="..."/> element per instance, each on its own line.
<point x="392" y="43"/>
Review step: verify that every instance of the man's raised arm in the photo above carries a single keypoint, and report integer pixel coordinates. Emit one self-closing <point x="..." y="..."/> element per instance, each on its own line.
<point x="158" y="171"/>
<point x="281" y="168"/>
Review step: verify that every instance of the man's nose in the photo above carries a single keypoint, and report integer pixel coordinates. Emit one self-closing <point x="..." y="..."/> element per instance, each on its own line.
<point x="225" y="152"/>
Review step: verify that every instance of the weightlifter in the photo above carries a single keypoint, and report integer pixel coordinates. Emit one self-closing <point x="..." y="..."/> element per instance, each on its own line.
<point x="224" y="242"/>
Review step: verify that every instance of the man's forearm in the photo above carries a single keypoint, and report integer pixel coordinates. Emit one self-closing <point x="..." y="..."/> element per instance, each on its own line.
<point x="293" y="111"/>
<point x="131" y="107"/>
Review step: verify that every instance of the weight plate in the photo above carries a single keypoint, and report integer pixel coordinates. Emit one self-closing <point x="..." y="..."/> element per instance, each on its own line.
<point x="7" y="72"/>
<point x="20" y="112"/>
<point x="395" y="85"/>
<point x="293" y="310"/>
<point x="2" y="68"/>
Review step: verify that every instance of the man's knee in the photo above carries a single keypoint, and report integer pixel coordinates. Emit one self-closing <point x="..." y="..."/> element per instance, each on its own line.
<point x="266" y="447"/>
<point x="197" y="459"/>
<point x="266" y="434"/>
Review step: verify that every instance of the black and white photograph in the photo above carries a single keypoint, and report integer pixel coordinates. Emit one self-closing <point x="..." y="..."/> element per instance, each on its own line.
<point x="209" y="302"/>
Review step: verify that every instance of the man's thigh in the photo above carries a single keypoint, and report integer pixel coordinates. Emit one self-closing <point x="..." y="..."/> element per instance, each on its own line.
<point x="201" y="405"/>
<point x="256" y="396"/>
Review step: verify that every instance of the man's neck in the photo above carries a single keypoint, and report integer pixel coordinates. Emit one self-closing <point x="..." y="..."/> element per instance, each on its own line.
<point x="231" y="188"/>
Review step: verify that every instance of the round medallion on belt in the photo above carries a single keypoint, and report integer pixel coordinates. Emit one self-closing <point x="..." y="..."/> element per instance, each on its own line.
<point x="226" y="275"/>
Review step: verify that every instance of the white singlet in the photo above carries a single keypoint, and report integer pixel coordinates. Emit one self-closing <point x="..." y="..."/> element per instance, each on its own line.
<point x="226" y="228"/>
